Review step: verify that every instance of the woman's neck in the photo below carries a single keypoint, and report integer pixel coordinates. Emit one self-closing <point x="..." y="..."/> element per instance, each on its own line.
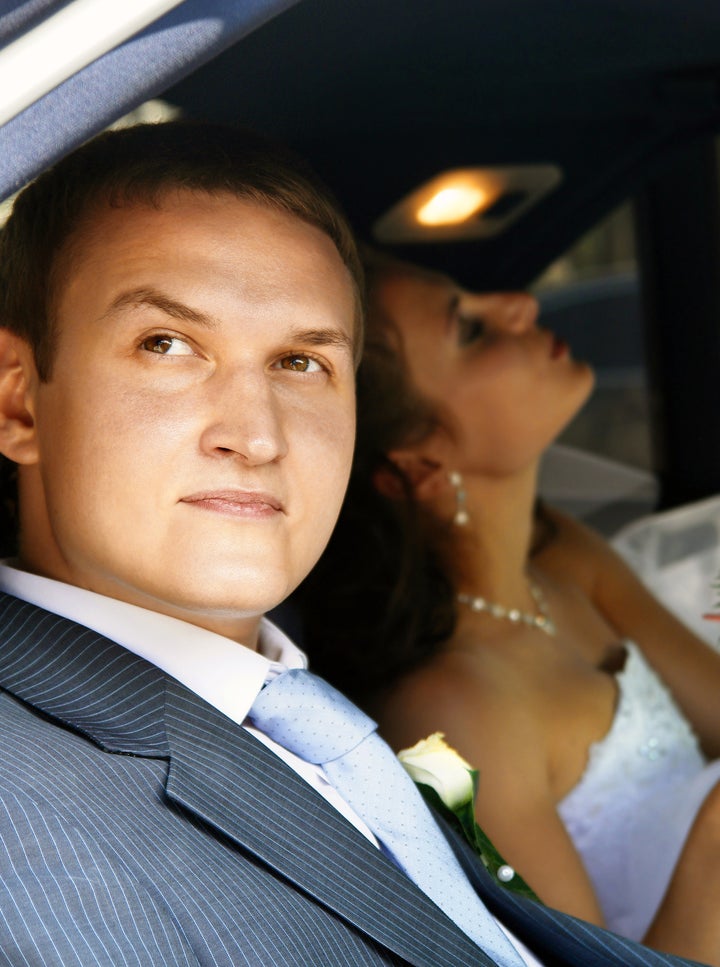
<point x="498" y="537"/>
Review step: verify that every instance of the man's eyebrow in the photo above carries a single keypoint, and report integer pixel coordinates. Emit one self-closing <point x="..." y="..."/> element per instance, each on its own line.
<point x="158" y="300"/>
<point x="327" y="336"/>
<point x="321" y="337"/>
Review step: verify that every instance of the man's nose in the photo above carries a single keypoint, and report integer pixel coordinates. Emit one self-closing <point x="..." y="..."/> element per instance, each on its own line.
<point x="245" y="420"/>
<point x="517" y="312"/>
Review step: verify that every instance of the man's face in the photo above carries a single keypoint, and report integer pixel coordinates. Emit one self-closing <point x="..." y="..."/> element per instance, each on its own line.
<point x="194" y="441"/>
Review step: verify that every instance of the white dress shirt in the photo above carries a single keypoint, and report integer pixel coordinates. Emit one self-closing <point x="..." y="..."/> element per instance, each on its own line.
<point x="225" y="674"/>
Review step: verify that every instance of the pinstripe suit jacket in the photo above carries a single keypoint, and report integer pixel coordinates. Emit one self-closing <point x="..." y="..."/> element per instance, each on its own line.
<point x="140" y="826"/>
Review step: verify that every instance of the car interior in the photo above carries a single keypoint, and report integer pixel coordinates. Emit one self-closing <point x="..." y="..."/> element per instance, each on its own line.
<point x="581" y="140"/>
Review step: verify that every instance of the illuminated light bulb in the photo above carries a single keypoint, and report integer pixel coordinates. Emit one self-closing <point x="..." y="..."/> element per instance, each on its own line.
<point x="449" y="206"/>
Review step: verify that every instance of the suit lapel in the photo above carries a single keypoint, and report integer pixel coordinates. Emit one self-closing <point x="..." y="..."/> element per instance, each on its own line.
<point x="222" y="774"/>
<point x="81" y="678"/>
<point x="232" y="781"/>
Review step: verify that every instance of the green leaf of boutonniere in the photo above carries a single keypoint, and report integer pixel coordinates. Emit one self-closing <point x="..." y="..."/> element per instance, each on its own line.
<point x="463" y="819"/>
<point x="449" y="784"/>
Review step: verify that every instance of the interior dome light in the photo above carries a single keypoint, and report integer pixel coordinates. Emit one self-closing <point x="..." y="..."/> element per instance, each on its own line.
<point x="461" y="204"/>
<point x="452" y="205"/>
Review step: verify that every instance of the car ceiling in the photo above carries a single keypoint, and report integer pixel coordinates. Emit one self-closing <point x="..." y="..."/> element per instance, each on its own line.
<point x="382" y="94"/>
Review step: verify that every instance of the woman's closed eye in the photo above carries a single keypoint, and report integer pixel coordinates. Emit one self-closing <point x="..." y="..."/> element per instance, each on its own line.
<point x="470" y="328"/>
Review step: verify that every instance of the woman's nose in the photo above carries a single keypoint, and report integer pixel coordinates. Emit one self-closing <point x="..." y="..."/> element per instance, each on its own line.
<point x="517" y="311"/>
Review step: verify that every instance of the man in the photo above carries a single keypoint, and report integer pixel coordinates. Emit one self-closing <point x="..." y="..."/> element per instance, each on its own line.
<point x="181" y="313"/>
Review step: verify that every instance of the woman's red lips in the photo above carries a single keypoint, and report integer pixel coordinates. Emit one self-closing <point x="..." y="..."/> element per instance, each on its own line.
<point x="558" y="347"/>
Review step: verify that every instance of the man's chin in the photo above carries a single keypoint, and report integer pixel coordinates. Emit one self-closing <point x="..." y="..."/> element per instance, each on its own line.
<point x="211" y="601"/>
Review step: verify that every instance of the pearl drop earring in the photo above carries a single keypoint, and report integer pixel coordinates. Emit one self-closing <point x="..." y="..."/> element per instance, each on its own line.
<point x="461" y="518"/>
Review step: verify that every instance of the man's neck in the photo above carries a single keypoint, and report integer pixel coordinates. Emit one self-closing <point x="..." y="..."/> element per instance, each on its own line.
<point x="215" y="667"/>
<point x="241" y="628"/>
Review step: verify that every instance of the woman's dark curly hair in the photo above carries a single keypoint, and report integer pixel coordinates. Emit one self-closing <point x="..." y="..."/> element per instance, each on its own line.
<point x="381" y="599"/>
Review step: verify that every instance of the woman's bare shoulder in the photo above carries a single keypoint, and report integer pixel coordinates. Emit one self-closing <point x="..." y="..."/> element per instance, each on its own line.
<point x="481" y="704"/>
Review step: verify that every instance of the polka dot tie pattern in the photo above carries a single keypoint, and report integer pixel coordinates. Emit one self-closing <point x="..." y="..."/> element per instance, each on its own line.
<point x="309" y="717"/>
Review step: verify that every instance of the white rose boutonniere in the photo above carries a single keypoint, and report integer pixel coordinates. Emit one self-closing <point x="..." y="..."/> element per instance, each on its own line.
<point x="432" y="762"/>
<point x="449" y="784"/>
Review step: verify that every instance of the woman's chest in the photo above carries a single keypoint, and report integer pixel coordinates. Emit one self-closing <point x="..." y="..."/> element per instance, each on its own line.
<point x="576" y="703"/>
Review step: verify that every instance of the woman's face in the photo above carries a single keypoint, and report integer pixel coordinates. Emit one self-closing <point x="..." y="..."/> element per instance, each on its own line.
<point x="508" y="386"/>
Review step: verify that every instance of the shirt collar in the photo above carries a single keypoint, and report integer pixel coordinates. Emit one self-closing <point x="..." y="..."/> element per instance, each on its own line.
<point x="222" y="672"/>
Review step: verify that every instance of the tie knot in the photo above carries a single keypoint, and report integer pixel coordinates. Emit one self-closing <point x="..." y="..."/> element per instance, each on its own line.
<point x="307" y="716"/>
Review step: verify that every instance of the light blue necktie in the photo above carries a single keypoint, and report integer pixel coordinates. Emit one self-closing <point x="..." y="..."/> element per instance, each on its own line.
<point x="305" y="715"/>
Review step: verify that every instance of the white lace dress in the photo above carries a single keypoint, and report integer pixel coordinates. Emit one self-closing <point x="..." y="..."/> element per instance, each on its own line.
<point x="632" y="810"/>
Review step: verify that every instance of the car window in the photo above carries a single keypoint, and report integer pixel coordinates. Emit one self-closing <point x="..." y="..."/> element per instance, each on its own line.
<point x="591" y="297"/>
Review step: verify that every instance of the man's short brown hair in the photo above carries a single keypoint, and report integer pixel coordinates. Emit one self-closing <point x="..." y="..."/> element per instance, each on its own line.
<point x="136" y="166"/>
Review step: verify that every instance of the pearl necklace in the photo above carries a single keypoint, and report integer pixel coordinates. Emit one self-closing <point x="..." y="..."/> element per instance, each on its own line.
<point x="541" y="620"/>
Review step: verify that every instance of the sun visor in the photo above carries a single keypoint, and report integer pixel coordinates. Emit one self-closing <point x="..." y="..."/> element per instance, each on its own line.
<point x="106" y="85"/>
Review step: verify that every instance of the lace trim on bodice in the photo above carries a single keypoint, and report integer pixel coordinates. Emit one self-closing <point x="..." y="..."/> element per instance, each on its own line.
<point x="648" y="753"/>
<point x="649" y="742"/>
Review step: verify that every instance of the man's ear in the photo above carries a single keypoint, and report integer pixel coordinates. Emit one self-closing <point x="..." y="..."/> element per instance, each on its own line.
<point x="17" y="377"/>
<point x="427" y="476"/>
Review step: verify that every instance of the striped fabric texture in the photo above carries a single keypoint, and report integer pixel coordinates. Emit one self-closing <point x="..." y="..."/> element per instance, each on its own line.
<point x="140" y="826"/>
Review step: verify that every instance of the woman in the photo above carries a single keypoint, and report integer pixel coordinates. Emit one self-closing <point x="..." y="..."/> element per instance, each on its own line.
<point x="449" y="600"/>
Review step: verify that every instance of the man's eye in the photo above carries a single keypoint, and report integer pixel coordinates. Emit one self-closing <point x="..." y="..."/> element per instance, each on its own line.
<point x="298" y="363"/>
<point x="166" y="346"/>
<point x="470" y="329"/>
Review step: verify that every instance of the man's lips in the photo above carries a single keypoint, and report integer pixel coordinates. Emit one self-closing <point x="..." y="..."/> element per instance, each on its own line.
<point x="236" y="503"/>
